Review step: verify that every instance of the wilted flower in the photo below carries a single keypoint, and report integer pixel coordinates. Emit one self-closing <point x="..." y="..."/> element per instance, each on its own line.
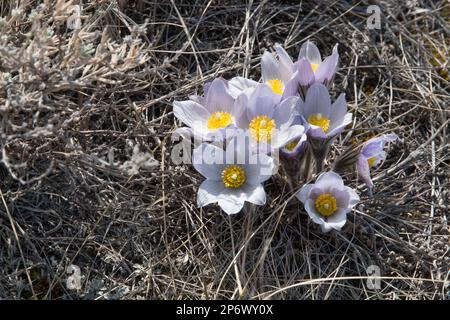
<point x="371" y="155"/>
<point x="233" y="176"/>
<point x="207" y="117"/>
<point x="311" y="69"/>
<point x="328" y="201"/>
<point x="269" y="122"/>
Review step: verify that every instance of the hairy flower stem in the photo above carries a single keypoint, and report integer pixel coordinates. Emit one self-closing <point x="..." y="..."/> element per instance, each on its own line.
<point x="320" y="149"/>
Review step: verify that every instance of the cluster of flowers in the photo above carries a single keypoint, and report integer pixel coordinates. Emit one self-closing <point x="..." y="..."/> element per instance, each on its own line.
<point x="247" y="126"/>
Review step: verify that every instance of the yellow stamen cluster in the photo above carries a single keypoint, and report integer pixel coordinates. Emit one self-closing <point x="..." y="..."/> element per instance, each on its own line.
<point x="276" y="85"/>
<point x="326" y="204"/>
<point x="261" y="128"/>
<point x="371" y="161"/>
<point x="320" y="121"/>
<point x="219" y="120"/>
<point x="314" y="67"/>
<point x="233" y="176"/>
<point x="291" y="145"/>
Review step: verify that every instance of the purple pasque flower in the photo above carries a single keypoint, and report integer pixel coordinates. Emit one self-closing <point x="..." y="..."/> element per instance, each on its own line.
<point x="371" y="155"/>
<point x="208" y="117"/>
<point x="233" y="176"/>
<point x="268" y="121"/>
<point x="312" y="69"/>
<point x="325" y="120"/>
<point x="328" y="200"/>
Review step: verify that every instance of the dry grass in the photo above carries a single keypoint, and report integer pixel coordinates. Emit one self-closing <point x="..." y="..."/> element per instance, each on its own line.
<point x="86" y="176"/>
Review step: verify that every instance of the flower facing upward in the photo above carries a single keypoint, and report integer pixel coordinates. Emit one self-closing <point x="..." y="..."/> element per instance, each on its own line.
<point x="207" y="117"/>
<point x="310" y="67"/>
<point x="268" y="121"/>
<point x="328" y="201"/>
<point x="276" y="72"/>
<point x="371" y="155"/>
<point x="233" y="176"/>
<point x="325" y="120"/>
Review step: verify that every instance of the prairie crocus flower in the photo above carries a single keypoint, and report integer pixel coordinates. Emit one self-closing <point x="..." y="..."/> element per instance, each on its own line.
<point x="312" y="69"/>
<point x="268" y="121"/>
<point x="324" y="120"/>
<point x="277" y="73"/>
<point x="233" y="176"/>
<point x="328" y="201"/>
<point x="371" y="155"/>
<point x="208" y="117"/>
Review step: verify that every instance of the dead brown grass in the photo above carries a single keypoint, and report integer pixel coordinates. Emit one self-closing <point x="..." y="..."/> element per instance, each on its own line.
<point x="86" y="176"/>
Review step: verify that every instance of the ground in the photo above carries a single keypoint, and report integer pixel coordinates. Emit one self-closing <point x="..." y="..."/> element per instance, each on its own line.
<point x="88" y="186"/>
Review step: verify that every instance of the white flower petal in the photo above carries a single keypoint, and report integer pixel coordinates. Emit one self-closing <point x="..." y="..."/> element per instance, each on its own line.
<point x="328" y="180"/>
<point x="192" y="114"/>
<point x="310" y="51"/>
<point x="254" y="194"/>
<point x="209" y="192"/>
<point x="238" y="85"/>
<point x="208" y="159"/>
<point x="303" y="193"/>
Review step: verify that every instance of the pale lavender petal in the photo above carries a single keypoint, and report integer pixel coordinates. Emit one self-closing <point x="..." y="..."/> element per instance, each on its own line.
<point x="363" y="169"/>
<point x="283" y="113"/>
<point x="262" y="102"/>
<point x="342" y="197"/>
<point x="336" y="129"/>
<point x="354" y="197"/>
<point x="310" y="51"/>
<point x="208" y="160"/>
<point x="270" y="68"/>
<point x="238" y="85"/>
<point x="291" y="87"/>
<point x="254" y="194"/>
<point x="259" y="168"/>
<point x="311" y="210"/>
<point x="338" y="109"/>
<point x="327" y="68"/>
<point x="329" y="180"/>
<point x="305" y="75"/>
<point x="337" y="220"/>
<point x="218" y="98"/>
<point x="303" y="193"/>
<point x="191" y="114"/>
<point x="317" y="101"/>
<point x="286" y="65"/>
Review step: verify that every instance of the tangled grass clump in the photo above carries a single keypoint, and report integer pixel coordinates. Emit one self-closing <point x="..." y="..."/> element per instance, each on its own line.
<point x="87" y="183"/>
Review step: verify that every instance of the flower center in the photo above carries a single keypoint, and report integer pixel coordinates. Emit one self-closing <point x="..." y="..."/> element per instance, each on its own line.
<point x="219" y="120"/>
<point x="320" y="121"/>
<point x="371" y="161"/>
<point x="314" y="66"/>
<point x="261" y="128"/>
<point x="291" y="145"/>
<point x="233" y="176"/>
<point x="276" y="85"/>
<point x="326" y="204"/>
